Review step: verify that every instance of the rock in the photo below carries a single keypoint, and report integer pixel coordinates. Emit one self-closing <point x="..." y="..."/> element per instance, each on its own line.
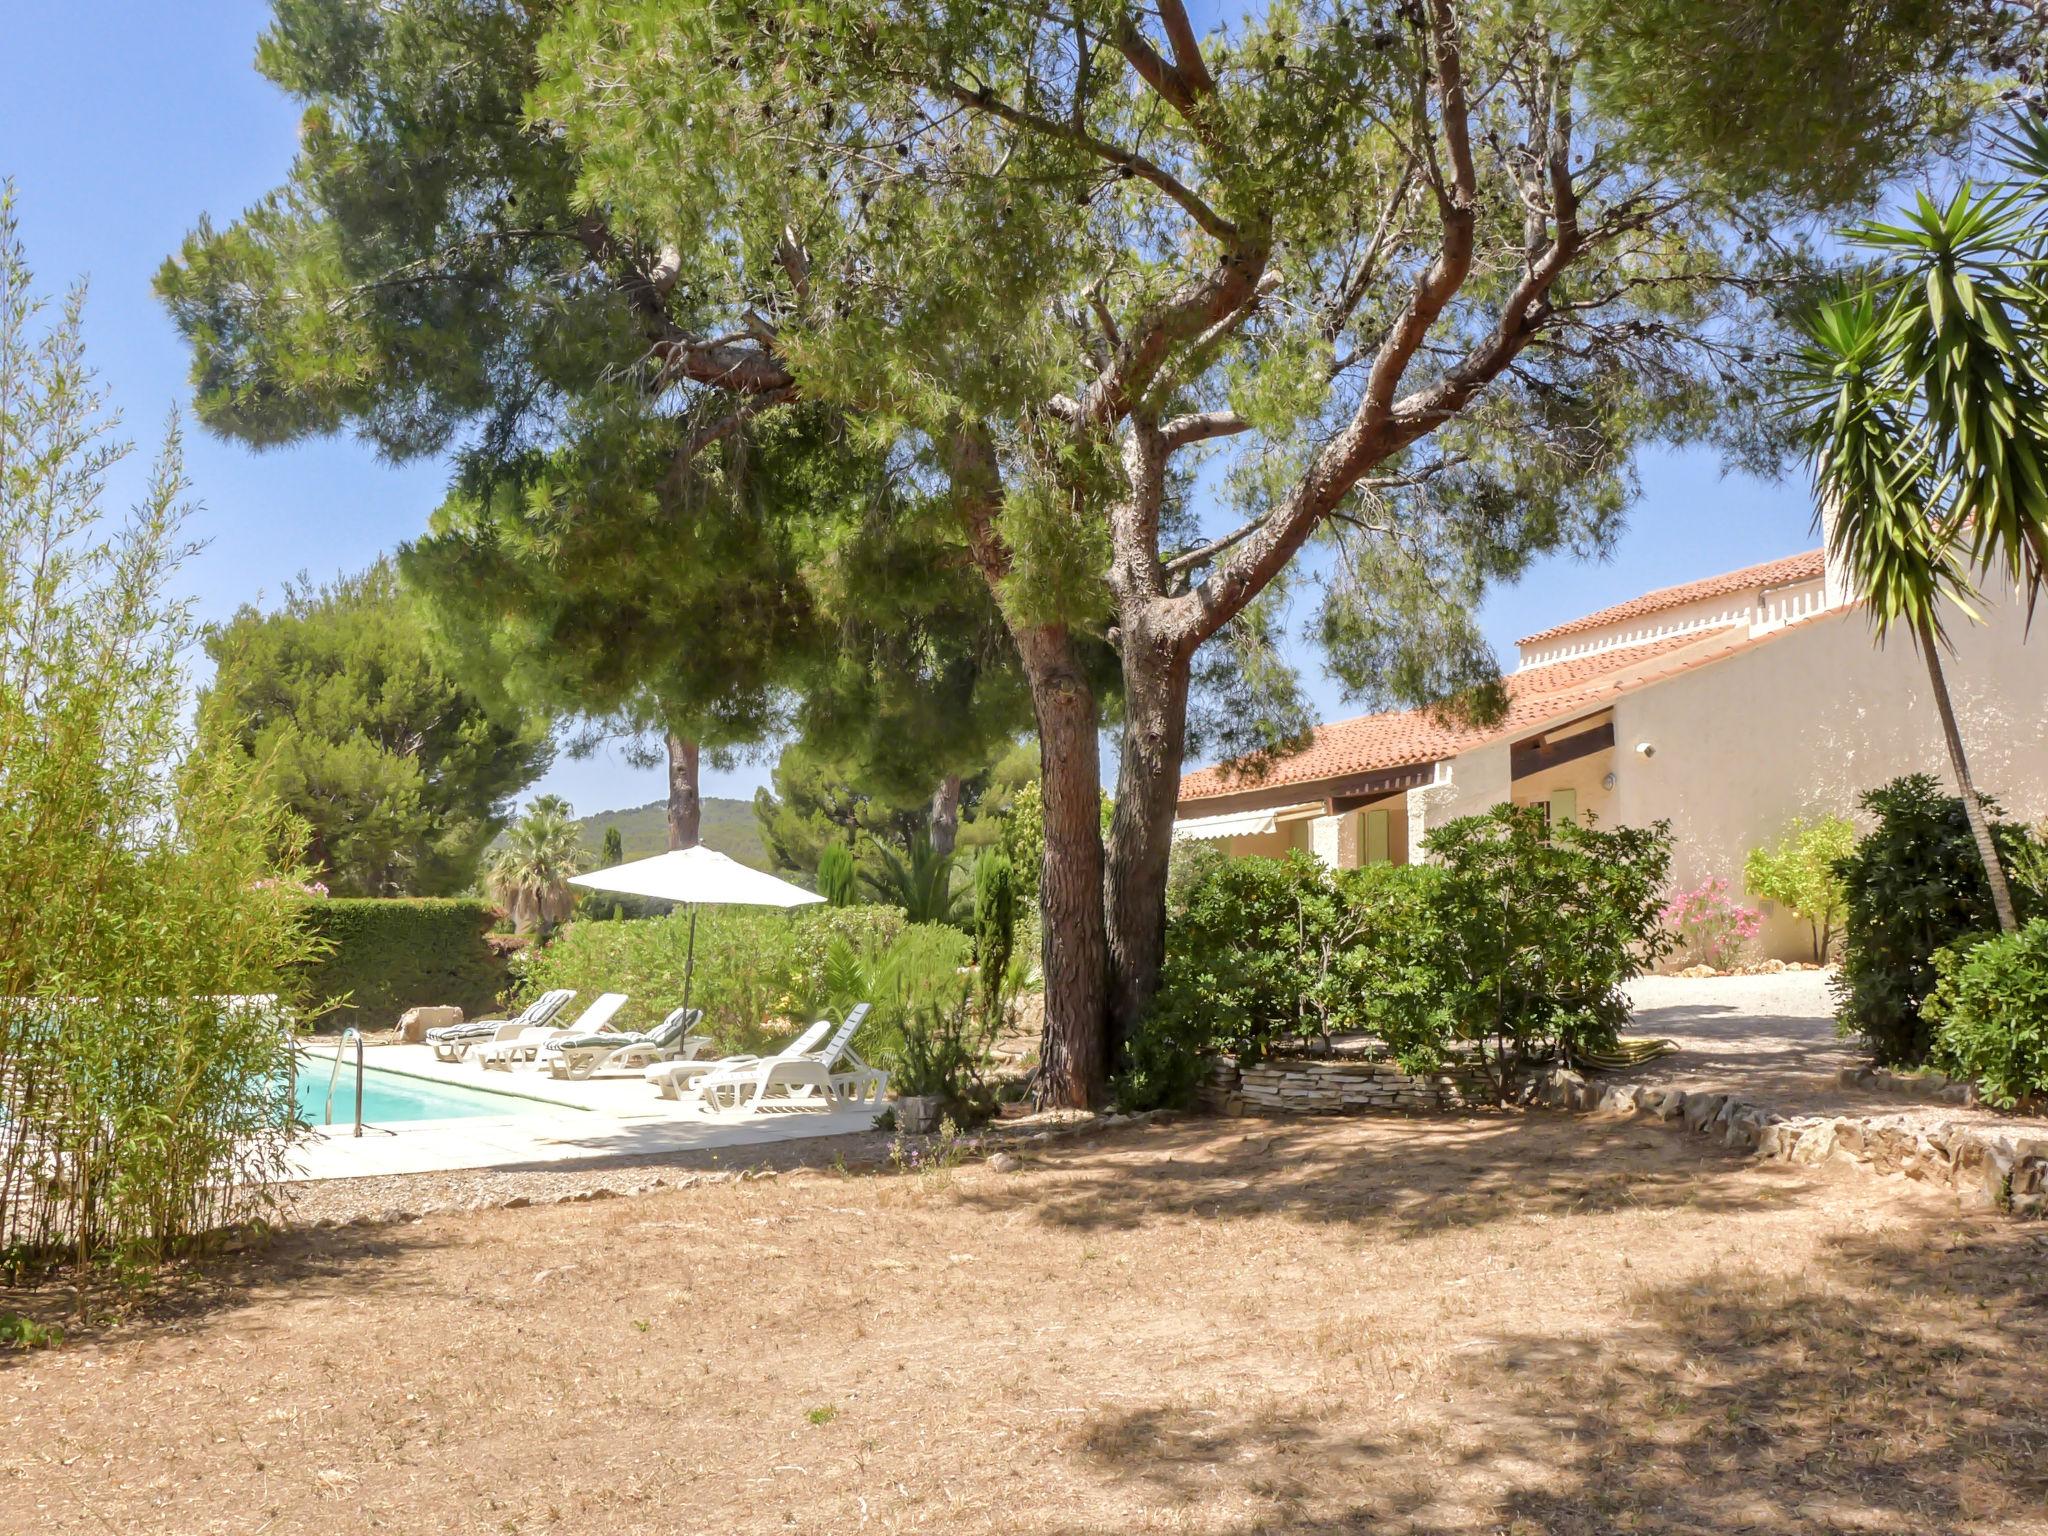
<point x="1003" y="1162"/>
<point x="414" y="1023"/>
<point x="1700" y="1108"/>
<point x="1617" y="1099"/>
<point x="517" y="1202"/>
<point x="1669" y="1104"/>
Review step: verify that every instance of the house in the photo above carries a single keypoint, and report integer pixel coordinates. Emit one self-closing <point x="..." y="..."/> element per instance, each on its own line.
<point x="1726" y="706"/>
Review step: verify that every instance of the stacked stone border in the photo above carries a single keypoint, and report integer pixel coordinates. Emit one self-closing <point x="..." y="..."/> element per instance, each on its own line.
<point x="1339" y="1086"/>
<point x="1987" y="1168"/>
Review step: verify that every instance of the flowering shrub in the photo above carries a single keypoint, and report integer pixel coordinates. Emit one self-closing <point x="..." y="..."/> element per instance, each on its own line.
<point x="1711" y="927"/>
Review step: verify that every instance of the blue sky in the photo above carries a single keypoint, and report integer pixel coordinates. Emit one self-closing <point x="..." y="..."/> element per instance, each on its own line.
<point x="122" y="121"/>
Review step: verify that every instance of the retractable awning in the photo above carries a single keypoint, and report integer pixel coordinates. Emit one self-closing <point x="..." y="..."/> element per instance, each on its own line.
<point x="1237" y="824"/>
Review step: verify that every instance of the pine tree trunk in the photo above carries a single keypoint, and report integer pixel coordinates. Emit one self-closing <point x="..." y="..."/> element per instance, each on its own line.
<point x="1980" y="827"/>
<point x="685" y="804"/>
<point x="1141" y="832"/>
<point x="1073" y="1052"/>
<point x="945" y="826"/>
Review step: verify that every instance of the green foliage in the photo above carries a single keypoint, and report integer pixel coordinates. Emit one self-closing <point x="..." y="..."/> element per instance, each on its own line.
<point x="995" y="929"/>
<point x="758" y="973"/>
<point x="26" y="1333"/>
<point x="1538" y="927"/>
<point x="1922" y="399"/>
<point x="817" y="803"/>
<point x="1821" y="102"/>
<point x="1915" y="884"/>
<point x="378" y="958"/>
<point x="921" y="883"/>
<point x="1023" y="840"/>
<point x="1798" y="872"/>
<point x="150" y="912"/>
<point x="1990" y="1008"/>
<point x="530" y="873"/>
<point x="613" y="851"/>
<point x="838" y="878"/>
<point x="1512" y="946"/>
<point x="401" y="775"/>
<point x="944" y="1055"/>
<point x="1272" y="953"/>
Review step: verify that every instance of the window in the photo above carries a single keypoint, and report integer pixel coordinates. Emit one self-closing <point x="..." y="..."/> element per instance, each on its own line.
<point x="1564" y="805"/>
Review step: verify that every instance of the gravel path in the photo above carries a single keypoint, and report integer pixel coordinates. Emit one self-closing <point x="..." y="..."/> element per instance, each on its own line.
<point x="1771" y="1038"/>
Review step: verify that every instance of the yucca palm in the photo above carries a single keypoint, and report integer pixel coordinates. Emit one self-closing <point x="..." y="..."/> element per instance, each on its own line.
<point x="1925" y="408"/>
<point x="530" y="873"/>
<point x="921" y="884"/>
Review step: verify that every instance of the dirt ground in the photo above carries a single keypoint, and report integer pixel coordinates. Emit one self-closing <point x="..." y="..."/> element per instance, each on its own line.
<point x="1772" y="1039"/>
<point x="1513" y="1324"/>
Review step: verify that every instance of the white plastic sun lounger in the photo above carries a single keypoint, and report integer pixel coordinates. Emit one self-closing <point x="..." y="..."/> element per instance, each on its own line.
<point x="452" y="1041"/>
<point x="514" y="1044"/>
<point x="827" y="1078"/>
<point x="579" y="1056"/>
<point x="674" y="1078"/>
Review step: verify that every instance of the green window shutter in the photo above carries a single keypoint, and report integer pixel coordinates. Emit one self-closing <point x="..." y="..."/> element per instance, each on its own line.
<point x="1379" y="831"/>
<point x="1564" y="805"/>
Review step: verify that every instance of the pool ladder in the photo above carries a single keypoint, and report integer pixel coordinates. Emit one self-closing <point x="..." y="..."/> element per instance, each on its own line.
<point x="335" y="1072"/>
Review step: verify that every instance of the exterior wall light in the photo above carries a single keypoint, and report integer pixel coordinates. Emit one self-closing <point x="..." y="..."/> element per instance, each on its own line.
<point x="1645" y="749"/>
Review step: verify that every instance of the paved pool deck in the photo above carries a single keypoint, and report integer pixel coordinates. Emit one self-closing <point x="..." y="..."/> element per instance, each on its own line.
<point x="549" y="1122"/>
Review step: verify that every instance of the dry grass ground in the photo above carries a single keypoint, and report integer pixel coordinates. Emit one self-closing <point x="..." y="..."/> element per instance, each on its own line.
<point x="1519" y="1324"/>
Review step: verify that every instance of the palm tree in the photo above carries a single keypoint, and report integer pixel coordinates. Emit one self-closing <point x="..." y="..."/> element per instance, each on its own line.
<point x="1923" y="398"/>
<point x="530" y="874"/>
<point x="922" y="884"/>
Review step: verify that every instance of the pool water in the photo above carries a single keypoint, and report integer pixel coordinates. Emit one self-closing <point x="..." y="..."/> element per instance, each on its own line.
<point x="389" y="1097"/>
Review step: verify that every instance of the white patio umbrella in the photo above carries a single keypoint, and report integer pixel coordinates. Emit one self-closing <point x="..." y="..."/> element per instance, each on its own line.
<point x="697" y="877"/>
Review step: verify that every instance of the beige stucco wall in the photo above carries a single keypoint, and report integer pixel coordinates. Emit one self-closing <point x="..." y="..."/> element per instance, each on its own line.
<point x="1583" y="774"/>
<point x="1271" y="845"/>
<point x="1803" y="723"/>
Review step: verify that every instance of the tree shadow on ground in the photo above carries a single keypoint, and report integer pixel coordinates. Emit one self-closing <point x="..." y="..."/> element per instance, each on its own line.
<point x="1896" y="1385"/>
<point x="1409" y="1176"/>
<point x="101" y="1301"/>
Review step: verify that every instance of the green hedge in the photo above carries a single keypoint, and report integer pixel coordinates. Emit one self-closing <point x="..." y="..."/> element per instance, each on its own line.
<point x="385" y="956"/>
<point x="753" y="964"/>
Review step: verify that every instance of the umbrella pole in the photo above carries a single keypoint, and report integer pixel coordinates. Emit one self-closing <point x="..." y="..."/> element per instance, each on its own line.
<point x="690" y="962"/>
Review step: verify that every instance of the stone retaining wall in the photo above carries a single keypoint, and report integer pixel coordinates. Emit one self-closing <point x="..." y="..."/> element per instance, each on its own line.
<point x="1297" y="1085"/>
<point x="1986" y="1167"/>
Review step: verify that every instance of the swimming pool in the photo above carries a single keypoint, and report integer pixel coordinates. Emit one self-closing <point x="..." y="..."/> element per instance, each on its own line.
<point x="391" y="1097"/>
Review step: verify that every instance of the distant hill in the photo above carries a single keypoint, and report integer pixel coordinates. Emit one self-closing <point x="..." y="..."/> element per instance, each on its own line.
<point x="728" y="826"/>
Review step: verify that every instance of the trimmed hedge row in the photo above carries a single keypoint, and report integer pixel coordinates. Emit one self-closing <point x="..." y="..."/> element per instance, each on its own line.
<point x="383" y="956"/>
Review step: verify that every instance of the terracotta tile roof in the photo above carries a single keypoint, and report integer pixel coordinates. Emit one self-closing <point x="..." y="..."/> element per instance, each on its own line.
<point x="1805" y="567"/>
<point x="1347" y="748"/>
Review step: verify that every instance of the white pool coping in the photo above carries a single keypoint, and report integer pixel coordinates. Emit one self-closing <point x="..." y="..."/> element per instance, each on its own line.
<point x="563" y="1122"/>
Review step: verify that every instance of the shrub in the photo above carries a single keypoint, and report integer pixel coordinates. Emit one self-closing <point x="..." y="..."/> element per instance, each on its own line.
<point x="1799" y="874"/>
<point x="1512" y="947"/>
<point x="837" y="875"/>
<point x="139" y="891"/>
<point x="756" y="969"/>
<point x="1990" y="1009"/>
<point x="1537" y="925"/>
<point x="995" y="929"/>
<point x="1270" y="952"/>
<point x="1709" y="927"/>
<point x="381" y="957"/>
<point x="1914" y="884"/>
<point x="944" y="1054"/>
<point x="1022" y="840"/>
